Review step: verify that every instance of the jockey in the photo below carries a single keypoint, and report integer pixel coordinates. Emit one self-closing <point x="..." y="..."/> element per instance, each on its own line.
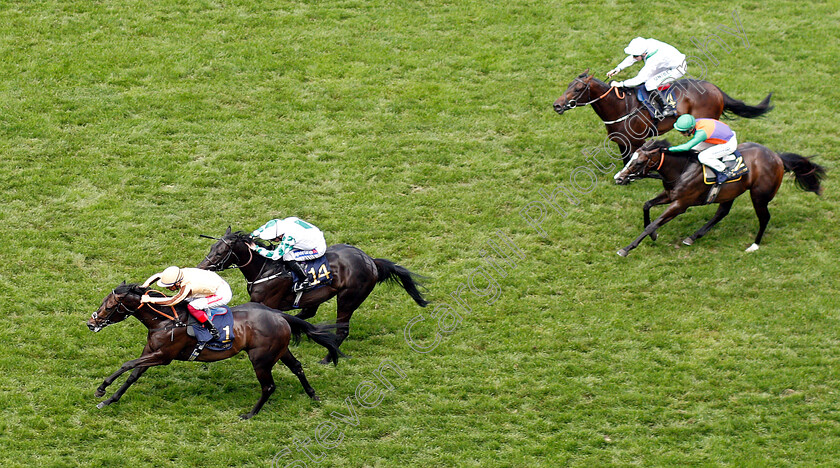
<point x="713" y="138"/>
<point x="201" y="288"/>
<point x="663" y="64"/>
<point x="298" y="240"/>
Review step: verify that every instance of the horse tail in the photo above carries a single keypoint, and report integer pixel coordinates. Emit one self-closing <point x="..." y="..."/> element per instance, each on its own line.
<point x="317" y="333"/>
<point x="390" y="271"/>
<point x="739" y="108"/>
<point x="808" y="174"/>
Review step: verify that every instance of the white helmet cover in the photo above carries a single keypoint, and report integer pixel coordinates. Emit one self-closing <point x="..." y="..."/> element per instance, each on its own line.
<point x="170" y="277"/>
<point x="637" y="46"/>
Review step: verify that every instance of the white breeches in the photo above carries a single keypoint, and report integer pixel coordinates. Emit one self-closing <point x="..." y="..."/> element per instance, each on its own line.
<point x="307" y="249"/>
<point x="223" y="296"/>
<point x="667" y="76"/>
<point x="712" y="155"/>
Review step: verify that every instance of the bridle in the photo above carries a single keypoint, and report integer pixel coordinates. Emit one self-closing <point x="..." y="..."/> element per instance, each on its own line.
<point x="572" y="103"/>
<point x="115" y="309"/>
<point x="217" y="267"/>
<point x="649" y="165"/>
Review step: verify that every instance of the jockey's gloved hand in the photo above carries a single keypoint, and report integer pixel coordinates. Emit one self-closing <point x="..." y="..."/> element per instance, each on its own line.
<point x="617" y="84"/>
<point x="612" y="72"/>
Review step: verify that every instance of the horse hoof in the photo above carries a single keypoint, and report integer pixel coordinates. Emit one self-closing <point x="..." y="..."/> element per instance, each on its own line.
<point x="99" y="393"/>
<point x="654" y="236"/>
<point x="102" y="405"/>
<point x="316" y="398"/>
<point x="246" y="416"/>
<point x="752" y="248"/>
<point x="622" y="252"/>
<point x="688" y="241"/>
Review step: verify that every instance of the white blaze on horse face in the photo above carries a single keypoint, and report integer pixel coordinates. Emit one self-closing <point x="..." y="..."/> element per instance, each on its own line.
<point x="626" y="166"/>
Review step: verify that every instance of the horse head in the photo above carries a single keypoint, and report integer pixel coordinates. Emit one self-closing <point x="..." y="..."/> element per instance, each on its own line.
<point x="577" y="92"/>
<point x="123" y="301"/>
<point x="230" y="251"/>
<point x="642" y="161"/>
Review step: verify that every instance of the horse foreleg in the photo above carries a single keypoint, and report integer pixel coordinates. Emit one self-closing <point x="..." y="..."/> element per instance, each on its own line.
<point x="672" y="211"/>
<point x="721" y="213"/>
<point x="140" y="364"/>
<point x="660" y="199"/>
<point x="135" y="374"/>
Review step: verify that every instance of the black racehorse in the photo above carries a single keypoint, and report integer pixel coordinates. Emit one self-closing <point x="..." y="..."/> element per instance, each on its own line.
<point x="682" y="178"/>
<point x="354" y="275"/>
<point x="626" y="120"/>
<point x="262" y="332"/>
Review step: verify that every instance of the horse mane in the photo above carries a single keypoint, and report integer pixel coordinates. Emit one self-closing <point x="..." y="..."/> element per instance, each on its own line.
<point x="130" y="288"/>
<point x="664" y="144"/>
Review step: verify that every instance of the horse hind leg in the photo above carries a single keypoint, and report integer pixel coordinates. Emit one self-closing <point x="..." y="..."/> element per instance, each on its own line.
<point x="347" y="303"/>
<point x="760" y="203"/>
<point x="294" y="365"/>
<point x="263" y="364"/>
<point x="721" y="213"/>
<point x="307" y="312"/>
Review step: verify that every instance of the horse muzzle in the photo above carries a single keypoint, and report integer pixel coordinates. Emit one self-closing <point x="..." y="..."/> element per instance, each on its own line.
<point x="560" y="108"/>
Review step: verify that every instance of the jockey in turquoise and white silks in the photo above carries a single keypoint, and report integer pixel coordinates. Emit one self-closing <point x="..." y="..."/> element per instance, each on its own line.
<point x="663" y="64"/>
<point x="298" y="240"/>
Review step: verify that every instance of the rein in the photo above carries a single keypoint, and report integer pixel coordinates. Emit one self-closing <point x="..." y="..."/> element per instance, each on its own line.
<point x="573" y="102"/>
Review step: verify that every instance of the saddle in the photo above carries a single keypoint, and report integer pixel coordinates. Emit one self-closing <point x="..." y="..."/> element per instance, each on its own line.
<point x="734" y="164"/>
<point x="666" y="93"/>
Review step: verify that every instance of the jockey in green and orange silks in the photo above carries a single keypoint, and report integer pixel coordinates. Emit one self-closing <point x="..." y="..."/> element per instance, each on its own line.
<point x="712" y="138"/>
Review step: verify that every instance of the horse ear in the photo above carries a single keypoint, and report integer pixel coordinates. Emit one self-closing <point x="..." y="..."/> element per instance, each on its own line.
<point x="228" y="231"/>
<point x="123" y="283"/>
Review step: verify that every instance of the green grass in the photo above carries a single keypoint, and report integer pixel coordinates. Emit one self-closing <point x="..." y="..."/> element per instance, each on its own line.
<point x="414" y="130"/>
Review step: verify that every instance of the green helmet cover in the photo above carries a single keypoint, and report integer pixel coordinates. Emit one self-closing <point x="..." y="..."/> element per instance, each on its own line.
<point x="684" y="122"/>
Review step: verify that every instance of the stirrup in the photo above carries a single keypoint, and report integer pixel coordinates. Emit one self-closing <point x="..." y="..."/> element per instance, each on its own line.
<point x="301" y="286"/>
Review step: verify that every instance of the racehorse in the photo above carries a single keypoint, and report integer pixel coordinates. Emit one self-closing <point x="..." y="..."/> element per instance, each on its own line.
<point x="262" y="332"/>
<point x="627" y="123"/>
<point x="682" y="178"/>
<point x="354" y="275"/>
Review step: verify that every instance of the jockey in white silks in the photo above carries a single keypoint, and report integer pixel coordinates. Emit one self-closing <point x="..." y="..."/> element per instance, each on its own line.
<point x="298" y="240"/>
<point x="663" y="63"/>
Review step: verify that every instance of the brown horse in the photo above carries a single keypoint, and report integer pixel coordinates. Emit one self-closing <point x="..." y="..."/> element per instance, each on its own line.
<point x="626" y="120"/>
<point x="682" y="177"/>
<point x="354" y="275"/>
<point x="262" y="332"/>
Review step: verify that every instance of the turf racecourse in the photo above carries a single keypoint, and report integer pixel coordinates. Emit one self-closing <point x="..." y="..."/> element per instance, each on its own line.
<point x="417" y="131"/>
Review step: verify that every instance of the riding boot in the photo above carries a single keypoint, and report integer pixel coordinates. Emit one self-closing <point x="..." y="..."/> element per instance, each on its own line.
<point x="212" y="329"/>
<point x="303" y="284"/>
<point x="658" y="105"/>
<point x="722" y="176"/>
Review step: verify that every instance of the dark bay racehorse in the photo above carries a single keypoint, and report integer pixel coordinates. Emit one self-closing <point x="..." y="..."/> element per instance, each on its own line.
<point x="354" y="276"/>
<point x="682" y="178"/>
<point x="262" y="332"/>
<point x="628" y="123"/>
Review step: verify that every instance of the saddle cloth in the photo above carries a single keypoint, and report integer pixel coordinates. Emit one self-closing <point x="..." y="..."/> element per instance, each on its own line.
<point x="222" y="318"/>
<point x="317" y="271"/>
<point x="734" y="163"/>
